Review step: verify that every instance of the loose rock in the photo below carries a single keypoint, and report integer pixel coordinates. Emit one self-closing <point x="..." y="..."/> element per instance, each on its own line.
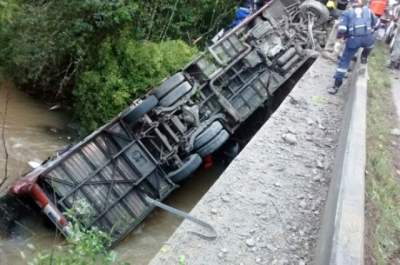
<point x="224" y="250"/>
<point x="225" y="199"/>
<point x="320" y="164"/>
<point x="250" y="242"/>
<point x="309" y="121"/>
<point x="290" y="138"/>
<point x="317" y="179"/>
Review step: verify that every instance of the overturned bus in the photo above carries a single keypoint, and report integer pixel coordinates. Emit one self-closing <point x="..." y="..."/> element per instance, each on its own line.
<point x="161" y="139"/>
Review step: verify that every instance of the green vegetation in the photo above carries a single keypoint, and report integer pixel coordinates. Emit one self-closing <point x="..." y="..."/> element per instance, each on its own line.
<point x="85" y="246"/>
<point x="383" y="189"/>
<point x="7" y="8"/>
<point x="115" y="50"/>
<point x="126" y="70"/>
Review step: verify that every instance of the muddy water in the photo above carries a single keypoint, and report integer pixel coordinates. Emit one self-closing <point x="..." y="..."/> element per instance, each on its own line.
<point x="32" y="132"/>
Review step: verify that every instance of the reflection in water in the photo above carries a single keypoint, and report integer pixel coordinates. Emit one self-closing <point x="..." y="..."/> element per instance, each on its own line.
<point x="33" y="133"/>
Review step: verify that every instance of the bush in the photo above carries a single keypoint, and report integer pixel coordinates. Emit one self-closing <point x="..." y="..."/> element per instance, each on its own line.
<point x="84" y="246"/>
<point x="126" y="69"/>
<point x="46" y="42"/>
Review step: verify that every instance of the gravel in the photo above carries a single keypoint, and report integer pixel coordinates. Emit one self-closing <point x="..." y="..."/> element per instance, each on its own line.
<point x="277" y="186"/>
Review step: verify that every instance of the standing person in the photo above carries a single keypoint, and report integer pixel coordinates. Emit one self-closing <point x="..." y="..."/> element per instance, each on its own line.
<point x="356" y="28"/>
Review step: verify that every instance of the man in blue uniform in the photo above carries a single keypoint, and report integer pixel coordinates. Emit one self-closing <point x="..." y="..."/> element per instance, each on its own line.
<point x="356" y="27"/>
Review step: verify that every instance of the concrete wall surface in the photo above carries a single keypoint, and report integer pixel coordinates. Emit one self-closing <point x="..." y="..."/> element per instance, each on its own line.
<point x="342" y="233"/>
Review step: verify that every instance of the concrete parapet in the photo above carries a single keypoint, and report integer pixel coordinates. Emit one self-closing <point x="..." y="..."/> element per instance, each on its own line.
<point x="342" y="233"/>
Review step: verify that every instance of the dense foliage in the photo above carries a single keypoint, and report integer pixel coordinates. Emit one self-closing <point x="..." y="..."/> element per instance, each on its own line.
<point x="126" y="68"/>
<point x="114" y="49"/>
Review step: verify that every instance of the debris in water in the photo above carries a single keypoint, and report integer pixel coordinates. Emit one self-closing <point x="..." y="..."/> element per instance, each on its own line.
<point x="30" y="246"/>
<point x="34" y="164"/>
<point x="55" y="107"/>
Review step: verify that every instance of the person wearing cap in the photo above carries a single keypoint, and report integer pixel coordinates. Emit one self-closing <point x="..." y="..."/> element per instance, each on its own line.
<point x="356" y="28"/>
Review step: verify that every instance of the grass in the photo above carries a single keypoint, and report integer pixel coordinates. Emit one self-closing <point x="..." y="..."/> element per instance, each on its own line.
<point x="383" y="189"/>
